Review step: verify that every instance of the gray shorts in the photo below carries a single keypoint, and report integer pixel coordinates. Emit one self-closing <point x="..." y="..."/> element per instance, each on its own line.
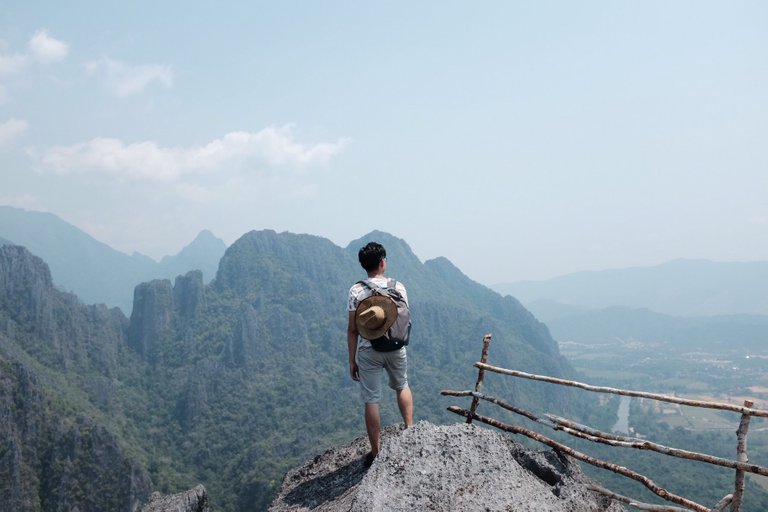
<point x="370" y="365"/>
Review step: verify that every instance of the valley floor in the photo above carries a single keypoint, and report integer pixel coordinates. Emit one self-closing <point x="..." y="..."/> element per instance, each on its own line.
<point x="721" y="374"/>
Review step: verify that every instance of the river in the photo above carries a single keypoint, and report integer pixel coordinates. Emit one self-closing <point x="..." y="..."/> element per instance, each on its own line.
<point x="622" y="426"/>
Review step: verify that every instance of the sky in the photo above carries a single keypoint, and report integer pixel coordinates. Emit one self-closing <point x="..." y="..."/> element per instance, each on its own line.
<point x="520" y="140"/>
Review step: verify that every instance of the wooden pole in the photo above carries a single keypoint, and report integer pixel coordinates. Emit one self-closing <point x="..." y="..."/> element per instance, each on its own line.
<point x="741" y="456"/>
<point x="641" y="444"/>
<point x="496" y="401"/>
<point x="634" y="503"/>
<point x="625" y="392"/>
<point x="567" y="450"/>
<point x="480" y="377"/>
<point x="723" y="503"/>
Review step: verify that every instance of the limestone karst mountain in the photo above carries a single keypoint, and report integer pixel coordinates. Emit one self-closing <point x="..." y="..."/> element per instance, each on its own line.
<point x="227" y="384"/>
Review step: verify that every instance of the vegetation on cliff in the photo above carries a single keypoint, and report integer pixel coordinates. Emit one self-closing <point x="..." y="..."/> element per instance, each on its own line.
<point x="232" y="383"/>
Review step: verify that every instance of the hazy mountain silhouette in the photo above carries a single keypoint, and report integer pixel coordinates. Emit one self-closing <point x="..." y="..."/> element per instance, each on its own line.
<point x="203" y="253"/>
<point x="93" y="270"/>
<point x="681" y="287"/>
<point x="620" y="323"/>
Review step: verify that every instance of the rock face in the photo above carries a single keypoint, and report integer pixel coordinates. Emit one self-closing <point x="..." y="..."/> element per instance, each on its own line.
<point x="25" y="282"/>
<point x="194" y="500"/>
<point x="189" y="294"/>
<point x="151" y="321"/>
<point x="51" y="459"/>
<point x="457" y="467"/>
<point x="160" y="310"/>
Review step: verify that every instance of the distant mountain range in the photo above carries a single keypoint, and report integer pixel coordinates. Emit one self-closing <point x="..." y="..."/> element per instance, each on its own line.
<point x="91" y="269"/>
<point x="619" y="324"/>
<point x="681" y="287"/>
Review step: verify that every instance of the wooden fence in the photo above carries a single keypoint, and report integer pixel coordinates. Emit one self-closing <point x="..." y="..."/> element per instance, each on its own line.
<point x="740" y="465"/>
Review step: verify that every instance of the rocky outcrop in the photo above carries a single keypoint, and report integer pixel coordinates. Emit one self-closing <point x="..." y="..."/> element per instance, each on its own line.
<point x="25" y="285"/>
<point x="458" y="467"/>
<point x="162" y="311"/>
<point x="151" y="319"/>
<point x="194" y="500"/>
<point x="189" y="294"/>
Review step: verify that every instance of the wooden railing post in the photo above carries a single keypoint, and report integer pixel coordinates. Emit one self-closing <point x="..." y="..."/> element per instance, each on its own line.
<point x="741" y="456"/>
<point x="480" y="376"/>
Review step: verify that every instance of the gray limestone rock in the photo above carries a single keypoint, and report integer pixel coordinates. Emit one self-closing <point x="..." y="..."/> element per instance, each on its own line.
<point x="193" y="500"/>
<point x="452" y="467"/>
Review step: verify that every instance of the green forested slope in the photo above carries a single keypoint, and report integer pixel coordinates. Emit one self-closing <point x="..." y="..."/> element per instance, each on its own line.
<point x="232" y="383"/>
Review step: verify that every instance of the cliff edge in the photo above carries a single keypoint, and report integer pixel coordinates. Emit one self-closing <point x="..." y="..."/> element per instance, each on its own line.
<point x="451" y="467"/>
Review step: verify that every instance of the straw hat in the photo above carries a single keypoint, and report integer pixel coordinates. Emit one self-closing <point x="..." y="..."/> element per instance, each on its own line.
<point x="374" y="316"/>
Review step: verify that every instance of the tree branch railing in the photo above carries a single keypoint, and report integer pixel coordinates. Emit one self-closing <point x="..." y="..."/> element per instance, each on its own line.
<point x="741" y="465"/>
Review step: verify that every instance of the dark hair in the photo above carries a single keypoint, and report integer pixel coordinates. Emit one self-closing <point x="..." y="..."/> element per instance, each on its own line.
<point x="371" y="255"/>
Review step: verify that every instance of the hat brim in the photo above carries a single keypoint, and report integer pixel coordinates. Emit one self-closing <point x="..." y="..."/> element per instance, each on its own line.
<point x="390" y="315"/>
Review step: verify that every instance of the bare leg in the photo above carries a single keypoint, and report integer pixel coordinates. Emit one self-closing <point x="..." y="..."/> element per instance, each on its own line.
<point x="373" y="426"/>
<point x="405" y="403"/>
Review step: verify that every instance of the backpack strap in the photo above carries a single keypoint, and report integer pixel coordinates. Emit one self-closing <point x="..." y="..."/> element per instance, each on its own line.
<point x="391" y="283"/>
<point x="368" y="284"/>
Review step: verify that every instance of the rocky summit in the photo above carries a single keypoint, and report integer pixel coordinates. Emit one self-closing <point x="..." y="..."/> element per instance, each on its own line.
<point x="451" y="467"/>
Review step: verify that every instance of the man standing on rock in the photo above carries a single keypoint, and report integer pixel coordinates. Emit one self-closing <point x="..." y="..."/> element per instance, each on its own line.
<point x="366" y="365"/>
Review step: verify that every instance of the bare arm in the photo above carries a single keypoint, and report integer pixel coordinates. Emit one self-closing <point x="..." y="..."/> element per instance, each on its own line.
<point x="352" y="346"/>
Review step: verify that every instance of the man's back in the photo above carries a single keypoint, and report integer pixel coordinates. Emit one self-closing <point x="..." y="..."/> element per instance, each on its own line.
<point x="367" y="365"/>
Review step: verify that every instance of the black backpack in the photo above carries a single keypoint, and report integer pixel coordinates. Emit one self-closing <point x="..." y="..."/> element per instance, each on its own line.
<point x="398" y="335"/>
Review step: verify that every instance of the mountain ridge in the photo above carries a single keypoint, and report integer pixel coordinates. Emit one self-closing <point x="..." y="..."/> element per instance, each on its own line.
<point x="96" y="272"/>
<point x="681" y="287"/>
<point x="614" y="323"/>
<point x="200" y="384"/>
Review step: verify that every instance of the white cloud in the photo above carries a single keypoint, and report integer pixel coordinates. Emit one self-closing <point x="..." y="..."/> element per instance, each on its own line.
<point x="11" y="129"/>
<point x="273" y="147"/>
<point x="11" y="64"/>
<point x="42" y="48"/>
<point x="124" y="80"/>
<point x="46" y="49"/>
<point x="24" y="201"/>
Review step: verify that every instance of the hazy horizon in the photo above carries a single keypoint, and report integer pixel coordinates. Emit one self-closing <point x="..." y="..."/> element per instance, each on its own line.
<point x="520" y="141"/>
